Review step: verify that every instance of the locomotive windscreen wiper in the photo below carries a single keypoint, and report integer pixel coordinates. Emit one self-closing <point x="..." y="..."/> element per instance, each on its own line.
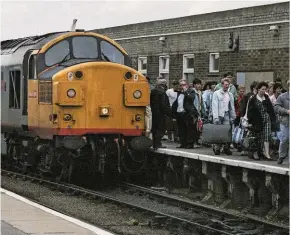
<point x="64" y="59"/>
<point x="106" y="58"/>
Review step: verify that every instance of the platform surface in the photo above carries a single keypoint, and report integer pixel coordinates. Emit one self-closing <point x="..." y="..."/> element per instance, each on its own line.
<point x="206" y="154"/>
<point x="21" y="217"/>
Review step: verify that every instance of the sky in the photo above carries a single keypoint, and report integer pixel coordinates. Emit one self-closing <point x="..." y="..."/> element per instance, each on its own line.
<point x="29" y="18"/>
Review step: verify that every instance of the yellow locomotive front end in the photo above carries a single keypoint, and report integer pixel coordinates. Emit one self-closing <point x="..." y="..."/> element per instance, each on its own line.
<point x="87" y="102"/>
<point x="99" y="98"/>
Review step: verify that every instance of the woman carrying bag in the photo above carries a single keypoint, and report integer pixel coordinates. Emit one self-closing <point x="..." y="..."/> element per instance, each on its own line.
<point x="262" y="118"/>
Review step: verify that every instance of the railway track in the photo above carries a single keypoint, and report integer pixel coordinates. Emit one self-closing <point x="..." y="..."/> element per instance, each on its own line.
<point x="94" y="194"/>
<point x="202" y="223"/>
<point x="183" y="202"/>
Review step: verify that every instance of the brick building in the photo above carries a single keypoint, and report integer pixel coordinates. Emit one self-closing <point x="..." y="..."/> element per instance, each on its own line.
<point x="251" y="42"/>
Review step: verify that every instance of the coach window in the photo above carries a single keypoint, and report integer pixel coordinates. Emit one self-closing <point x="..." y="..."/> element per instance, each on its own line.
<point x="85" y="47"/>
<point x="111" y="53"/>
<point x="57" y="53"/>
<point x="14" y="89"/>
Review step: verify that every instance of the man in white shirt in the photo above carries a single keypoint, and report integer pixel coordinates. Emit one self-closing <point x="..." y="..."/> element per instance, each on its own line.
<point x="171" y="124"/>
<point x="186" y="116"/>
<point x="171" y="93"/>
<point x="223" y="110"/>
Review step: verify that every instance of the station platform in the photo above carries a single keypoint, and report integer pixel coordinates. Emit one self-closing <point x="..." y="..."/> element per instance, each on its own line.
<point x="20" y="216"/>
<point x="206" y="154"/>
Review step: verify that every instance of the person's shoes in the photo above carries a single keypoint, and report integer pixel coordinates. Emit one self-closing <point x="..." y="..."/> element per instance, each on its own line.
<point x="181" y="146"/>
<point x="197" y="145"/>
<point x="228" y="152"/>
<point x="159" y="147"/>
<point x="263" y="156"/>
<point x="147" y="134"/>
<point x="280" y="161"/>
<point x="244" y="153"/>
<point x="216" y="150"/>
<point x="190" y="146"/>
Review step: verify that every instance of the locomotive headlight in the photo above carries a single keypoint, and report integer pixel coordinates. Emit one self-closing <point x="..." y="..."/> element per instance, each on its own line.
<point x="105" y="111"/>
<point x="137" y="94"/>
<point x="71" y="93"/>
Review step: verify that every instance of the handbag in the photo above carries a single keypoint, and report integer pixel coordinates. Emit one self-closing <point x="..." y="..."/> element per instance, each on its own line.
<point x="199" y="125"/>
<point x="244" y="119"/>
<point x="238" y="135"/>
<point x="250" y="142"/>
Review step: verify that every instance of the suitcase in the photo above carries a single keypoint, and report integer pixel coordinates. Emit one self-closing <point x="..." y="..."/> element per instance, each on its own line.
<point x="217" y="134"/>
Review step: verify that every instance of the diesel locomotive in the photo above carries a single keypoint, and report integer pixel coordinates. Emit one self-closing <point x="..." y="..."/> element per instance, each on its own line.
<point x="68" y="96"/>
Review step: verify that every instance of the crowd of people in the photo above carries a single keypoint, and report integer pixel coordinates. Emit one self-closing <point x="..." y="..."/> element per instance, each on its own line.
<point x="181" y="111"/>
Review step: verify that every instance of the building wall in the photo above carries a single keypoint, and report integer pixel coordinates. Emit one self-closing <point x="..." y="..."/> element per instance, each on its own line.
<point x="258" y="50"/>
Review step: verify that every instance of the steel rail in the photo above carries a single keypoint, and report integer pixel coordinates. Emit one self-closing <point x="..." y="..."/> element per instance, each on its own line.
<point x="203" y="206"/>
<point x="115" y="200"/>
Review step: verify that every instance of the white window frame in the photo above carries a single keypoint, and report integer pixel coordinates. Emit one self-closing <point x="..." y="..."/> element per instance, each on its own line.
<point x="140" y="59"/>
<point x="185" y="69"/>
<point x="211" y="70"/>
<point x="166" y="70"/>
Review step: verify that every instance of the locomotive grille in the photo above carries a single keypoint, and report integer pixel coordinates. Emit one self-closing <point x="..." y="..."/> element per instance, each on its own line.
<point x="45" y="92"/>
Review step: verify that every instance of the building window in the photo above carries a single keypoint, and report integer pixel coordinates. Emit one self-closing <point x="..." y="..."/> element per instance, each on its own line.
<point x="14" y="89"/>
<point x="188" y="67"/>
<point x="164" y="67"/>
<point x="214" y="62"/>
<point x="142" y="65"/>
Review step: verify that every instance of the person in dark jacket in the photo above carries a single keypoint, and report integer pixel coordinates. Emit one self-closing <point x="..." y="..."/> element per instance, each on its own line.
<point x="262" y="117"/>
<point x="186" y="116"/>
<point x="160" y="108"/>
<point x="279" y="81"/>
<point x="282" y="108"/>
<point x="244" y="100"/>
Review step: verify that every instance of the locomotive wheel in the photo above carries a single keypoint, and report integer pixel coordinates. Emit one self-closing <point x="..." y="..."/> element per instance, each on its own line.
<point x="65" y="170"/>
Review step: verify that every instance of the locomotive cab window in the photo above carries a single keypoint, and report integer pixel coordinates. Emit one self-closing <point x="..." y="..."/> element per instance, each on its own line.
<point x="57" y="53"/>
<point x="14" y="89"/>
<point x="85" y="47"/>
<point x="111" y="53"/>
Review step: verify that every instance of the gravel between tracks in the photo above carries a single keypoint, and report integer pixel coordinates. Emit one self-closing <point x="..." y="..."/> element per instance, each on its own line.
<point x="107" y="215"/>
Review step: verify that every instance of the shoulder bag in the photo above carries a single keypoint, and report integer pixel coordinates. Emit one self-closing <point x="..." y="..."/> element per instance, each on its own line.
<point x="244" y="120"/>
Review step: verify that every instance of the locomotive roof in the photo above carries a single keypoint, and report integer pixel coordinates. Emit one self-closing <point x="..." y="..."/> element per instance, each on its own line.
<point x="11" y="45"/>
